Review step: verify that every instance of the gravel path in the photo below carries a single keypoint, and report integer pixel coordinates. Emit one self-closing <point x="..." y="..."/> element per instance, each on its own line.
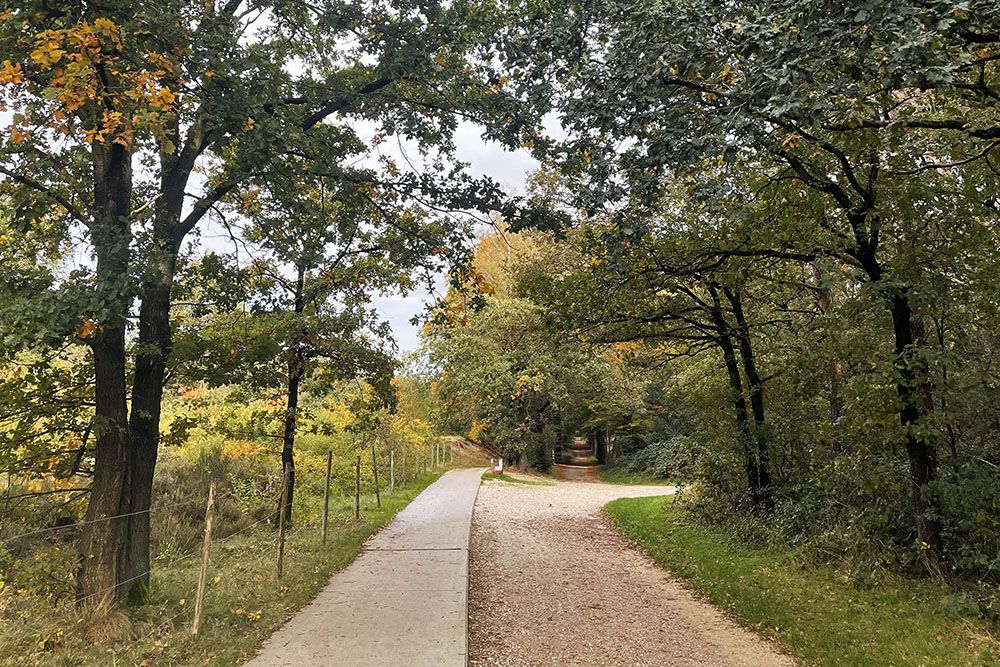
<point x="553" y="583"/>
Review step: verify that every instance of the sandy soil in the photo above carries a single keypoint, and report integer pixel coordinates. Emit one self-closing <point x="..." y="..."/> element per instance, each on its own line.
<point x="553" y="583"/>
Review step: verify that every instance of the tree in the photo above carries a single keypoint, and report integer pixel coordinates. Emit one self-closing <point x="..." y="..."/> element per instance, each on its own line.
<point x="656" y="289"/>
<point x="857" y="120"/>
<point x="507" y="376"/>
<point x="320" y="250"/>
<point x="131" y="124"/>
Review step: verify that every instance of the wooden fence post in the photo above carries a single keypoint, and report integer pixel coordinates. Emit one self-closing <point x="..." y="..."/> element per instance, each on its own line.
<point x="199" y="600"/>
<point x="378" y="499"/>
<point x="357" y="487"/>
<point x="326" y="495"/>
<point x="281" y="521"/>
<point x="392" y="471"/>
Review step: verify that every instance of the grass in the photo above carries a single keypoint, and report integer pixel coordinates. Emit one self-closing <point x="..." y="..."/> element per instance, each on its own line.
<point x="244" y="602"/>
<point x="611" y="475"/>
<point x="814" y="612"/>
<point x="504" y="477"/>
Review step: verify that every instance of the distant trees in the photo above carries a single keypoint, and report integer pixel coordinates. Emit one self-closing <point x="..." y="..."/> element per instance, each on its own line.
<point x="508" y="376"/>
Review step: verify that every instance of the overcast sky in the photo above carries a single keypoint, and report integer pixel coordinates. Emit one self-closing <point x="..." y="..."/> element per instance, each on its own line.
<point x="485" y="159"/>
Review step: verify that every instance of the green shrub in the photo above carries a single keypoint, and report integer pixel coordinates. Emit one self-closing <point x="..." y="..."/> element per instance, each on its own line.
<point x="673" y="457"/>
<point x="968" y="495"/>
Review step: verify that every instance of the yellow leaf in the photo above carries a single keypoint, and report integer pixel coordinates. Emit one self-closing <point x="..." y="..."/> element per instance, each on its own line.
<point x="162" y="98"/>
<point x="88" y="327"/>
<point x="791" y="142"/>
<point x="18" y="135"/>
<point x="106" y="26"/>
<point x="247" y="126"/>
<point x="10" y="73"/>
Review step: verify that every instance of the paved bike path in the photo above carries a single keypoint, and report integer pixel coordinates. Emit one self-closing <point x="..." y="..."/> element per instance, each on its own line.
<point x="403" y="601"/>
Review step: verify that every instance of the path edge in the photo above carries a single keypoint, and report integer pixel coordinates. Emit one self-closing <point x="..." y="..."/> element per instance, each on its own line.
<point x="468" y="565"/>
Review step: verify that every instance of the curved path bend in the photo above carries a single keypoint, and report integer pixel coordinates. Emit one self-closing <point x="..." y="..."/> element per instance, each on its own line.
<point x="553" y="583"/>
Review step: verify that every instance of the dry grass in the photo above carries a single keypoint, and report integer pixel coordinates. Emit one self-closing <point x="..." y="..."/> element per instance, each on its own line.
<point x="243" y="605"/>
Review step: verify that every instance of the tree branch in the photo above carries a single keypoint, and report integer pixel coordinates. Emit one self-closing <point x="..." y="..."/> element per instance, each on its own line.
<point x="39" y="187"/>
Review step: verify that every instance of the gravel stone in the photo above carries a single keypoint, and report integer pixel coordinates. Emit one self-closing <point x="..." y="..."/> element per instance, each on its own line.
<point x="553" y="583"/>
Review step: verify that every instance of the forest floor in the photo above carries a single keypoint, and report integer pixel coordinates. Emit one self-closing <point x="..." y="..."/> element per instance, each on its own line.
<point x="553" y="582"/>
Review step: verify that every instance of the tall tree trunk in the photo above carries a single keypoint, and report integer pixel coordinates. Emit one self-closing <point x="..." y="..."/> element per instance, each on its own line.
<point x="913" y="403"/>
<point x="825" y="303"/>
<point x="601" y="446"/>
<point x="154" y="348"/>
<point x="102" y="543"/>
<point x="296" y="368"/>
<point x="759" y="436"/>
<point x="147" y="397"/>
<point x="743" y="428"/>
<point x="913" y="406"/>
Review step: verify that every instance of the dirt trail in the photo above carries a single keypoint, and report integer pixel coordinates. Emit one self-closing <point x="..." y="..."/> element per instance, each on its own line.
<point x="553" y="583"/>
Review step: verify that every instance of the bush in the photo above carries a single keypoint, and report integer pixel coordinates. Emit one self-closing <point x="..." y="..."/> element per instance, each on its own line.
<point x="674" y="457"/>
<point x="968" y="494"/>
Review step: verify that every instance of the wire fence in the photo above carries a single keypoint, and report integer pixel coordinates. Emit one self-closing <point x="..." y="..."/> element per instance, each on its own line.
<point x="52" y="530"/>
<point x="389" y="475"/>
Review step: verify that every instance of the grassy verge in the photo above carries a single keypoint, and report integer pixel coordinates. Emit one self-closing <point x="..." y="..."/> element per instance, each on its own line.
<point x="504" y="477"/>
<point x="611" y="475"/>
<point x="244" y="602"/>
<point x="814" y="612"/>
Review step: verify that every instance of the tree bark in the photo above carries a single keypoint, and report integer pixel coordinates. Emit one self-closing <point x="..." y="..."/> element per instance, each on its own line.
<point x="147" y="397"/>
<point x="601" y="445"/>
<point x="913" y="407"/>
<point x="759" y="436"/>
<point x="102" y="543"/>
<point x="743" y="428"/>
<point x="153" y="352"/>
<point x="295" y="372"/>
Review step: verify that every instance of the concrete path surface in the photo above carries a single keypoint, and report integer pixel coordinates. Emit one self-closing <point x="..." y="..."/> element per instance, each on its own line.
<point x="403" y="601"/>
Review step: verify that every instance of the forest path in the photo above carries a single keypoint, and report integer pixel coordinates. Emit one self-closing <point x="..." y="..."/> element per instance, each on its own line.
<point x="553" y="583"/>
<point x="403" y="601"/>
